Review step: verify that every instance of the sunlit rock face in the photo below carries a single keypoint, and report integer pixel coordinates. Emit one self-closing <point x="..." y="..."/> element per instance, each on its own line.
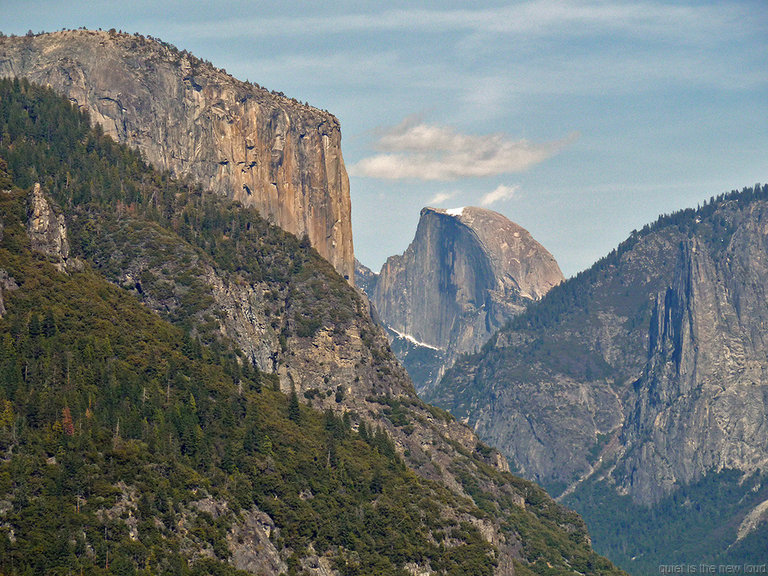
<point x="240" y="140"/>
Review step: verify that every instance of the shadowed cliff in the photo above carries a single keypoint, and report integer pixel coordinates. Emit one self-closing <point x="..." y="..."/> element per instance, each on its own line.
<point x="465" y="274"/>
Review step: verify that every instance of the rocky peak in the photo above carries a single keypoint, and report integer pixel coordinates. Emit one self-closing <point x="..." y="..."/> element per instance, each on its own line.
<point x="523" y="268"/>
<point x="467" y="265"/>
<point x="184" y="115"/>
<point x="466" y="272"/>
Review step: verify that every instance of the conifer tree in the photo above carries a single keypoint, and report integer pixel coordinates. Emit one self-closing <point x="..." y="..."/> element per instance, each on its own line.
<point x="294" y="412"/>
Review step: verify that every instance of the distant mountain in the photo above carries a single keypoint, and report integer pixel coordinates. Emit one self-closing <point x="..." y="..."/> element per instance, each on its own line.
<point x="628" y="388"/>
<point x="188" y="389"/>
<point x="260" y="148"/>
<point x="465" y="274"/>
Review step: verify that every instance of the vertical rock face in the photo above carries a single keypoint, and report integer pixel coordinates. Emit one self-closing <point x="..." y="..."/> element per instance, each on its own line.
<point x="702" y="398"/>
<point x="465" y="273"/>
<point x="261" y="149"/>
<point x="47" y="230"/>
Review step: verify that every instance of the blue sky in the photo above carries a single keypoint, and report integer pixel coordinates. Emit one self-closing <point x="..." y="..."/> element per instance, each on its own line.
<point x="579" y="120"/>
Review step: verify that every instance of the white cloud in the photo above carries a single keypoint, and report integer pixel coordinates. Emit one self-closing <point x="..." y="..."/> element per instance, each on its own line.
<point x="501" y="192"/>
<point x="422" y="151"/>
<point x="440" y="197"/>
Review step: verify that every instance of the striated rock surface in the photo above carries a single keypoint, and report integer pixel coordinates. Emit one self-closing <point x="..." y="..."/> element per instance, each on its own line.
<point x="466" y="272"/>
<point x="259" y="148"/>
<point x="702" y="398"/>
<point x="656" y="354"/>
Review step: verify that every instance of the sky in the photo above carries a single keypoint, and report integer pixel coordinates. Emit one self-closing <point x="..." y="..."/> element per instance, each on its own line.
<point x="579" y="120"/>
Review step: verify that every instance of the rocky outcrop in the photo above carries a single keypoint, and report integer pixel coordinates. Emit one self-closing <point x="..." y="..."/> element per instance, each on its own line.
<point x="250" y="544"/>
<point x="7" y="283"/>
<point x="755" y="517"/>
<point x="258" y="148"/>
<point x="47" y="229"/>
<point x="365" y="278"/>
<point x="466" y="272"/>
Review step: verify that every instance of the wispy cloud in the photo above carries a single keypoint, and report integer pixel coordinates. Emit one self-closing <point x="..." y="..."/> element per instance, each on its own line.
<point x="416" y="150"/>
<point x="441" y="197"/>
<point x="501" y="192"/>
<point x="536" y="17"/>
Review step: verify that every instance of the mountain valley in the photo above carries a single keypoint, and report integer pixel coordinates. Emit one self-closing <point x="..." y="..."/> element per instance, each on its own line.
<point x="198" y="377"/>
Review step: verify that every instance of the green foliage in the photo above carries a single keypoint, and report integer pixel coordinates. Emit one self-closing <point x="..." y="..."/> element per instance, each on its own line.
<point x="641" y="538"/>
<point x="115" y="422"/>
<point x="554" y="539"/>
<point x="147" y="414"/>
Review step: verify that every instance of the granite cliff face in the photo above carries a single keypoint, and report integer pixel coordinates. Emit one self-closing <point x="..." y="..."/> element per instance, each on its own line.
<point x="47" y="230"/>
<point x="466" y="272"/>
<point x="239" y="140"/>
<point x="643" y="375"/>
<point x="702" y="398"/>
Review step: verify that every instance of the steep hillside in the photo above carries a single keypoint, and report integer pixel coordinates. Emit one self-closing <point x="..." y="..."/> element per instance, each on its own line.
<point x="129" y="446"/>
<point x="197" y="462"/>
<point x="465" y="274"/>
<point x="645" y="374"/>
<point x="257" y="147"/>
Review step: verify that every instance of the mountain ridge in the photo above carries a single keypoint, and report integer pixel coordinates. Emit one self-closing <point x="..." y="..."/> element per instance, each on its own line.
<point x="641" y="375"/>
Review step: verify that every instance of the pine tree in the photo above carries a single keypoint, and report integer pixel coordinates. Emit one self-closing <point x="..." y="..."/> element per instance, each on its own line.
<point x="294" y="411"/>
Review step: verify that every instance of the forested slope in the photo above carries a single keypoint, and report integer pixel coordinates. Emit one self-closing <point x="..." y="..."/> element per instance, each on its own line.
<point x="144" y="428"/>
